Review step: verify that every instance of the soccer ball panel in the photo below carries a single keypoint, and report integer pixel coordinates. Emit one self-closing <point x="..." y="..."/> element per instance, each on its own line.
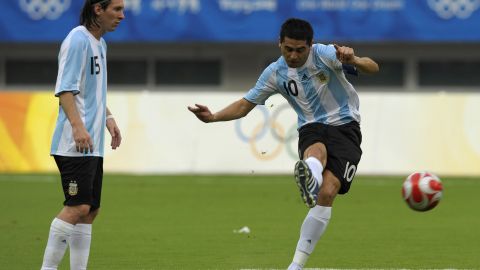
<point x="422" y="191"/>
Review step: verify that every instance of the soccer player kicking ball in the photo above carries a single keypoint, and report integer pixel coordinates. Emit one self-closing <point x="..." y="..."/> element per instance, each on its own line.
<point x="311" y="78"/>
<point x="78" y="140"/>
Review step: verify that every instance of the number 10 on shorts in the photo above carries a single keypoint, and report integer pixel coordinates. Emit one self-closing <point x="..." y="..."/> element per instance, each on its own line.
<point x="349" y="171"/>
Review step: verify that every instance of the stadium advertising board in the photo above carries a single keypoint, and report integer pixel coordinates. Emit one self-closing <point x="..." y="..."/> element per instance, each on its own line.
<point x="251" y="20"/>
<point x="401" y="133"/>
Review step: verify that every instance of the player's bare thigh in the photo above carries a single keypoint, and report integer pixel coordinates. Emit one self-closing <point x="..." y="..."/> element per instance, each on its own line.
<point x="331" y="184"/>
<point x="317" y="150"/>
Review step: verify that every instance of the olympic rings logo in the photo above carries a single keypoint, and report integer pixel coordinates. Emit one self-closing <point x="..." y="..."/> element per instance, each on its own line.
<point x="270" y="125"/>
<point x="447" y="9"/>
<point x="39" y="9"/>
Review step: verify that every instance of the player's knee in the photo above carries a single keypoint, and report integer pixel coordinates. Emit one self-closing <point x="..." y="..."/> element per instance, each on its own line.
<point x="326" y="196"/>
<point x="90" y="217"/>
<point x="329" y="189"/>
<point x="93" y="214"/>
<point x="82" y="210"/>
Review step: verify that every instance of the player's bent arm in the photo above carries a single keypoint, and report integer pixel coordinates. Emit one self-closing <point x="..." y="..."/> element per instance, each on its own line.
<point x="236" y="110"/>
<point x="366" y="65"/>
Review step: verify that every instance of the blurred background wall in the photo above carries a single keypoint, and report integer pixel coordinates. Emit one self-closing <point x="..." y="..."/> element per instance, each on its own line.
<point x="419" y="113"/>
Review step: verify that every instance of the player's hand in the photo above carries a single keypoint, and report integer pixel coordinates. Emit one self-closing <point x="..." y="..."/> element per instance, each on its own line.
<point x="83" y="141"/>
<point x="202" y="112"/>
<point x="345" y="55"/>
<point x="114" y="132"/>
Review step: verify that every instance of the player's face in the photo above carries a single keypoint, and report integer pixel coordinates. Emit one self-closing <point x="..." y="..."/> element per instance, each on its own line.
<point x="111" y="17"/>
<point x="295" y="51"/>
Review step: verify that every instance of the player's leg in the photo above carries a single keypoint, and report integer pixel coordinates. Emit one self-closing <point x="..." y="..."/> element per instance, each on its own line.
<point x="61" y="229"/>
<point x="80" y="241"/>
<point x="63" y="224"/>
<point x="81" y="237"/>
<point x="343" y="144"/>
<point x="316" y="221"/>
<point x="75" y="185"/>
<point x="57" y="243"/>
<point x="313" y="157"/>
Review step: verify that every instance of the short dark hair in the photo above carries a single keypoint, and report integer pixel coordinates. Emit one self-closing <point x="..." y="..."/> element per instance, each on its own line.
<point x="296" y="29"/>
<point x="88" y="17"/>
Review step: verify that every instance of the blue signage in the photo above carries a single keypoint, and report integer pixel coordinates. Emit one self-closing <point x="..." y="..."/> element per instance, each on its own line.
<point x="252" y="20"/>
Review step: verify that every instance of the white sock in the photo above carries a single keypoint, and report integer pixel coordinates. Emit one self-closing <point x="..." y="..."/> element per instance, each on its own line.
<point x="294" y="266"/>
<point x="312" y="229"/>
<point x="317" y="169"/>
<point x="80" y="246"/>
<point x="57" y="243"/>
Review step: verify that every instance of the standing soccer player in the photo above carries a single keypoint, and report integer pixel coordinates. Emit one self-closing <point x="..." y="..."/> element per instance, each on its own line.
<point x="78" y="140"/>
<point x="310" y="77"/>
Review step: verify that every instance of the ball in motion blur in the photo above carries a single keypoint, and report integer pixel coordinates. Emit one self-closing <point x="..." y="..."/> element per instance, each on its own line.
<point x="422" y="191"/>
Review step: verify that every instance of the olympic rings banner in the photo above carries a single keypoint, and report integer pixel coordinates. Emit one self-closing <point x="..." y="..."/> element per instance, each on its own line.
<point x="251" y="20"/>
<point x="402" y="132"/>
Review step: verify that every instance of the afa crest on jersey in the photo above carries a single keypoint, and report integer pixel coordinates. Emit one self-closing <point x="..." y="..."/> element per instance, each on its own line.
<point x="72" y="188"/>
<point x="322" y="77"/>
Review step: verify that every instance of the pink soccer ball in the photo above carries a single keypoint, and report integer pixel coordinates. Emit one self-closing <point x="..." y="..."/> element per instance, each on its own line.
<point x="422" y="191"/>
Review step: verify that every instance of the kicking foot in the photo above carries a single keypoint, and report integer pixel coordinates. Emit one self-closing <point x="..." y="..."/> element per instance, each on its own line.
<point x="307" y="184"/>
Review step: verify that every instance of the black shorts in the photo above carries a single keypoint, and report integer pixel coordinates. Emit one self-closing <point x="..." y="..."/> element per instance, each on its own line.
<point x="343" y="148"/>
<point x="81" y="180"/>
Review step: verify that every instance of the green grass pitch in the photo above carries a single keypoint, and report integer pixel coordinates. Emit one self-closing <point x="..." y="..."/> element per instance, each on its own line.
<point x="187" y="222"/>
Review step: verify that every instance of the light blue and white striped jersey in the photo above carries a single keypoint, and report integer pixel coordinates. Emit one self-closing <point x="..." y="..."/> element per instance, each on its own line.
<point x="82" y="69"/>
<point x="318" y="91"/>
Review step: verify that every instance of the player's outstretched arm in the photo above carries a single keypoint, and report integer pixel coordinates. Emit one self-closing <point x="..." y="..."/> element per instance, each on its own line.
<point x="237" y="109"/>
<point x="346" y="55"/>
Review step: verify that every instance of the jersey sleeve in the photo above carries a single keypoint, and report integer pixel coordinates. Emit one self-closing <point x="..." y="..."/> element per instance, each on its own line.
<point x="327" y="54"/>
<point x="264" y="88"/>
<point x="71" y="65"/>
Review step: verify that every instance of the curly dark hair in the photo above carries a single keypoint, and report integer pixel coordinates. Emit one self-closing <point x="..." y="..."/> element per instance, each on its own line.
<point x="296" y="29"/>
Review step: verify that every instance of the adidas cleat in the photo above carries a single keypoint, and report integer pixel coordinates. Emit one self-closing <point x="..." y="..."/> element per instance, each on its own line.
<point x="307" y="184"/>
